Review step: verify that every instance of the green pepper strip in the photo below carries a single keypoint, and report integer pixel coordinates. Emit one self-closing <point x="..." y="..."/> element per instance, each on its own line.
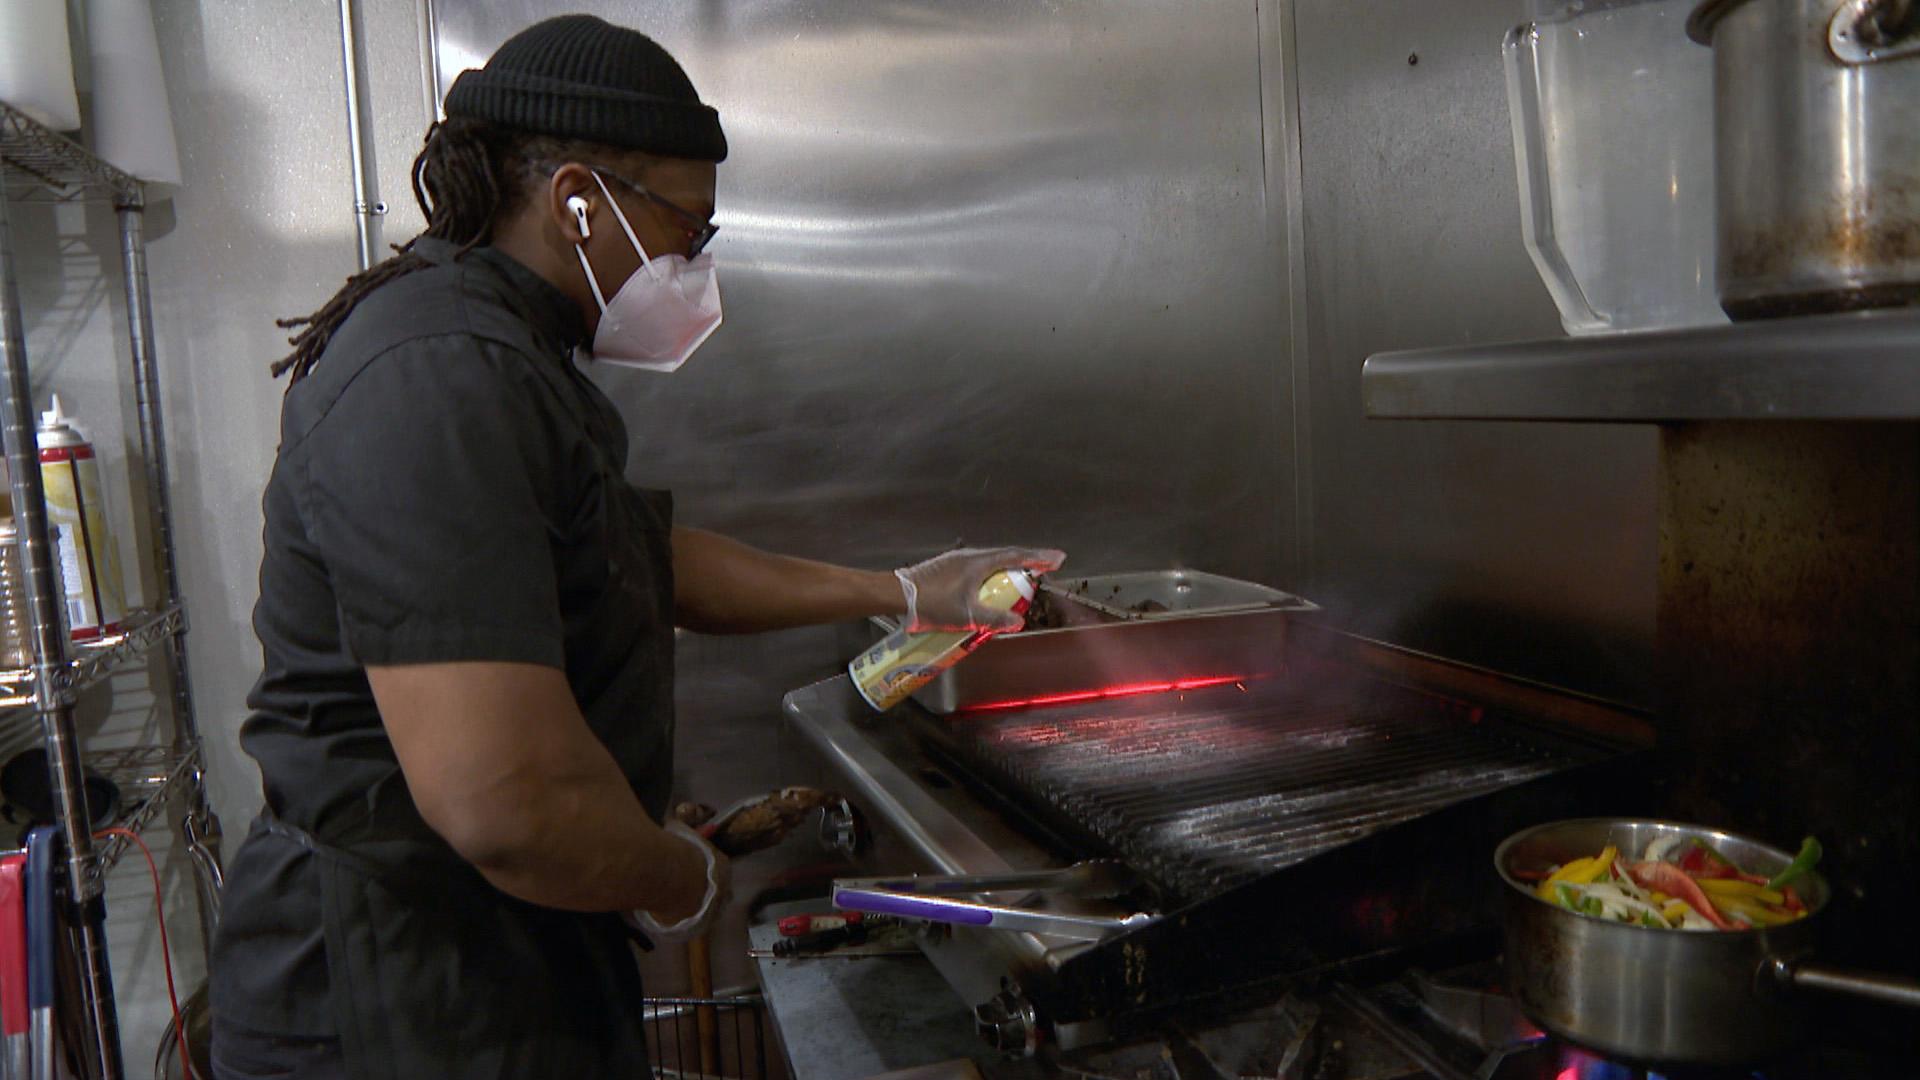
<point x="1707" y="850"/>
<point x="1803" y="862"/>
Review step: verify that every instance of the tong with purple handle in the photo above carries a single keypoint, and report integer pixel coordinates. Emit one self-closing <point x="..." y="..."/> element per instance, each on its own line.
<point x="940" y="899"/>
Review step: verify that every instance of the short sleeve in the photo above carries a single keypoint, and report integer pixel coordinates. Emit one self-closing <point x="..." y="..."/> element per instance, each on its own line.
<point x="430" y="485"/>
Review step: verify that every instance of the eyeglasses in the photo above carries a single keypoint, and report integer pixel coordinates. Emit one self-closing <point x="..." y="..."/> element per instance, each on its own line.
<point x="698" y="230"/>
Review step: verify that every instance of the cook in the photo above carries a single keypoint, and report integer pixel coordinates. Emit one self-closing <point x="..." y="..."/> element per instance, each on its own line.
<point x="464" y="721"/>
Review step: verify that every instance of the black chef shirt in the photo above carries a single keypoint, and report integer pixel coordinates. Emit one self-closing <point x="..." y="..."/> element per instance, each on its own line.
<point x="449" y="487"/>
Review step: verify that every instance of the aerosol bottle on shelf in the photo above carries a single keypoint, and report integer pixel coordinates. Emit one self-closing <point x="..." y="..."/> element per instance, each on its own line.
<point x="902" y="663"/>
<point x="76" y="504"/>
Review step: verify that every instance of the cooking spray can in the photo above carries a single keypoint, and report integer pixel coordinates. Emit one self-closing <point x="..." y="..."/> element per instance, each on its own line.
<point x="902" y="663"/>
<point x="89" y="565"/>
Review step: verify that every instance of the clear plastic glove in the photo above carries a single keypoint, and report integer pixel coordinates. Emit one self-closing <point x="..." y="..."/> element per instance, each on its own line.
<point x="943" y="593"/>
<point x="719" y="891"/>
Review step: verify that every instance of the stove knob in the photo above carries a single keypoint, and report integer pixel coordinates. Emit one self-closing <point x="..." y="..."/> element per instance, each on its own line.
<point x="1008" y="1024"/>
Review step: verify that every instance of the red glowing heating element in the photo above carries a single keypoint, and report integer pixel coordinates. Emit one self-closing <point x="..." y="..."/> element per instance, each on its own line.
<point x="1107" y="692"/>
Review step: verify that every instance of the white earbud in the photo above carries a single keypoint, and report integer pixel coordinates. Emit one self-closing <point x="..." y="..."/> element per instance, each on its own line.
<point x="578" y="205"/>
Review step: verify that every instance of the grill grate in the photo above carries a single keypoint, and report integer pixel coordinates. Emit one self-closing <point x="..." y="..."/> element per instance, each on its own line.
<point x="1204" y="790"/>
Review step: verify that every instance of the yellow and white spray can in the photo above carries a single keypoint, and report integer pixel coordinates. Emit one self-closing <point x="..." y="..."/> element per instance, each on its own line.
<point x="77" y="506"/>
<point x="901" y="663"/>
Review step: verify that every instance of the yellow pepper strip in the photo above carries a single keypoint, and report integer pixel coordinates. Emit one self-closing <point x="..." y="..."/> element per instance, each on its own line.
<point x="1675" y="911"/>
<point x="1736" y="887"/>
<point x="1545" y="888"/>
<point x="1578" y="872"/>
<point x="1749" y="910"/>
<point x="1600" y="865"/>
<point x="1659" y="898"/>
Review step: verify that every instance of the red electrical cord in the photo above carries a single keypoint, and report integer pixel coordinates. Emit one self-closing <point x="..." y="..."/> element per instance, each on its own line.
<point x="166" y="952"/>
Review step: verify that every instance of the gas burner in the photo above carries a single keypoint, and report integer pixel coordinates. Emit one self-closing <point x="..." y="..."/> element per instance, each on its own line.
<point x="1470" y="1005"/>
<point x="1574" y="1064"/>
<point x="1458" y="1024"/>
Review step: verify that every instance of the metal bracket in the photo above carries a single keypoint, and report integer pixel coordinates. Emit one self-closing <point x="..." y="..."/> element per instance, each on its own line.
<point x="841" y="831"/>
<point x="1008" y="1023"/>
<point x="1871" y="31"/>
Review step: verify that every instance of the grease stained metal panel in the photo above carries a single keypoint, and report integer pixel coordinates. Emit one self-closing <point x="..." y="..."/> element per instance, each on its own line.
<point x="1208" y="789"/>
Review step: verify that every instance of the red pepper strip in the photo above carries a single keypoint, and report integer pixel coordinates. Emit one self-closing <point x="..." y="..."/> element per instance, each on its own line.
<point x="1673" y="881"/>
<point x="1694" y="861"/>
<point x="1698" y="863"/>
<point x="1794" y="903"/>
<point x="1701" y="862"/>
<point x="1530" y="875"/>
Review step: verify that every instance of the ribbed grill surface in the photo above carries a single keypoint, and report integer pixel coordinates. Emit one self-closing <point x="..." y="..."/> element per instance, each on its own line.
<point x="1203" y="790"/>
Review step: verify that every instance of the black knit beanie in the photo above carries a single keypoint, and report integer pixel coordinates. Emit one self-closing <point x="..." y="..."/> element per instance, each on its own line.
<point x="579" y="77"/>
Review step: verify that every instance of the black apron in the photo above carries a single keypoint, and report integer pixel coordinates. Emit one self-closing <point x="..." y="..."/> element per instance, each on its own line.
<point x="417" y="958"/>
<point x="433" y="972"/>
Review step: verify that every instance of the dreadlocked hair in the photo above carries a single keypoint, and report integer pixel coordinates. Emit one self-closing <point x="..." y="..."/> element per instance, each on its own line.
<point x="467" y="176"/>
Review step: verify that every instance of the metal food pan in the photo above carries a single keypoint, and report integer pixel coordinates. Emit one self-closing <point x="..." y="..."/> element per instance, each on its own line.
<point x="1213" y="628"/>
<point x="1163" y="594"/>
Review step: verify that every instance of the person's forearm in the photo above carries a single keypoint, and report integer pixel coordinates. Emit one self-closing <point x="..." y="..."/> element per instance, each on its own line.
<point x="583" y="843"/>
<point x="726" y="587"/>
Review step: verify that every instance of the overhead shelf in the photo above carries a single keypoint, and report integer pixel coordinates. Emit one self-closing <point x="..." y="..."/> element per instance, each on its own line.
<point x="1858" y="366"/>
<point x="42" y="165"/>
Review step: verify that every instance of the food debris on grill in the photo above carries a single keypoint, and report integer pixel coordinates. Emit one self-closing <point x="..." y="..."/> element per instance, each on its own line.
<point x="1064" y="607"/>
<point x="1040" y="614"/>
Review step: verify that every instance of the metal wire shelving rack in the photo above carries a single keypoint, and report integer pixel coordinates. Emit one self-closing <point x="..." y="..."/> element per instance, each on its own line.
<point x="40" y="166"/>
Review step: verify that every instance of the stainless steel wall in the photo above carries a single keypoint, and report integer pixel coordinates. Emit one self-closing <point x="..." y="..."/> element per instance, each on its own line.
<point x="1526" y="547"/>
<point x="993" y="270"/>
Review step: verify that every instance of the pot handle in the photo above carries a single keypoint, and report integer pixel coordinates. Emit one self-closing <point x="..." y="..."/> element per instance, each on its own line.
<point x="1806" y="975"/>
<point x="1867" y="31"/>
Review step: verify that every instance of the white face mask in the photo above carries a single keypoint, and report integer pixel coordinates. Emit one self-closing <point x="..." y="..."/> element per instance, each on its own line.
<point x="667" y="309"/>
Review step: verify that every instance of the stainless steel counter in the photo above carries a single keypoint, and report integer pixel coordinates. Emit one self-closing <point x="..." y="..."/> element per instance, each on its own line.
<point x="1861" y="366"/>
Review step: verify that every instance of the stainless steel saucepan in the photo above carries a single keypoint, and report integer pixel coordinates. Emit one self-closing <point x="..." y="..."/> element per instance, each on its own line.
<point x="1666" y="996"/>
<point x="1817" y="153"/>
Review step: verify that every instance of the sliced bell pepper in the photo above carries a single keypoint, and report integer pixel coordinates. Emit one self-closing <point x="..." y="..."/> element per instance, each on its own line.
<point x="1578" y="872"/>
<point x="1737" y="887"/>
<point x="1803" y="862"/>
<point x="1743" y="908"/>
<point x="1702" y="862"/>
<point x="1674" y="881"/>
